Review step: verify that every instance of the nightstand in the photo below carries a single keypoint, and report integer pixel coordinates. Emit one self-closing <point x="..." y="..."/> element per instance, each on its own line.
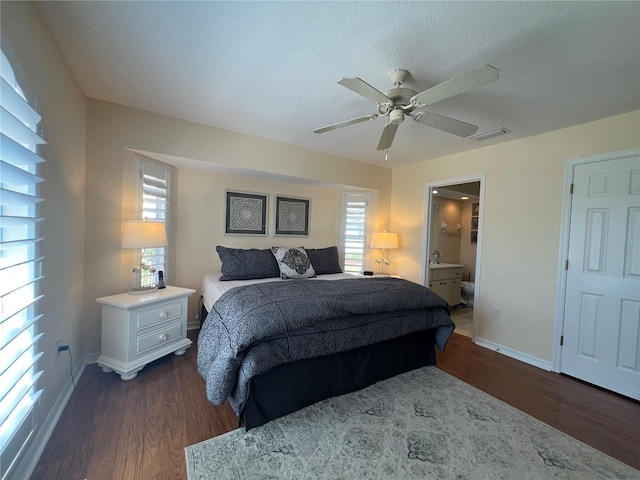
<point x="137" y="329"/>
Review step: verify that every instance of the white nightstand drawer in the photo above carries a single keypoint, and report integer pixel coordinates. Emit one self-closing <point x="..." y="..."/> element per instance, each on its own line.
<point x="159" y="337"/>
<point x="153" y="316"/>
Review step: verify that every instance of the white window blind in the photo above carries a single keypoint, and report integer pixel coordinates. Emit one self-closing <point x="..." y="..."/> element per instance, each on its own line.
<point x="153" y="202"/>
<point x="355" y="231"/>
<point x="20" y="267"/>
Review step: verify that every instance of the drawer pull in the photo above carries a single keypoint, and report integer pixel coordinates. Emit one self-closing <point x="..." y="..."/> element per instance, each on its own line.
<point x="160" y="314"/>
<point x="163" y="337"/>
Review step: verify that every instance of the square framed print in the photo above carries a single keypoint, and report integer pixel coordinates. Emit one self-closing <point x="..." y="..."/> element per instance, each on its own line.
<point x="245" y="213"/>
<point x="292" y="216"/>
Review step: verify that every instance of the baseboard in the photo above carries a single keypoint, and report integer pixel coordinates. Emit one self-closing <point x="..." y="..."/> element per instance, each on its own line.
<point x="30" y="457"/>
<point x="509" y="352"/>
<point x="91" y="358"/>
<point x="195" y="325"/>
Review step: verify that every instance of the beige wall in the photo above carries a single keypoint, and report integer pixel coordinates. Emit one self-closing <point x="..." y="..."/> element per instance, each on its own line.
<point x="448" y="239"/>
<point x="521" y="230"/>
<point x="114" y="131"/>
<point x="200" y="221"/>
<point x="62" y="105"/>
<point x="455" y="245"/>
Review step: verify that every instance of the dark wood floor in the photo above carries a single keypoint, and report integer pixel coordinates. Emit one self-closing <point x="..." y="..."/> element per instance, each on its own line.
<point x="112" y="429"/>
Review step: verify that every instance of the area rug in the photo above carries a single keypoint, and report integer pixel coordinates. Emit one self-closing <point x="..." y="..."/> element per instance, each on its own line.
<point x="422" y="424"/>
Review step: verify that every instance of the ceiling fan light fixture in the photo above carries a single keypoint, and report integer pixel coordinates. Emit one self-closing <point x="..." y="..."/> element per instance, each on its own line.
<point x="396" y="117"/>
<point x="489" y="134"/>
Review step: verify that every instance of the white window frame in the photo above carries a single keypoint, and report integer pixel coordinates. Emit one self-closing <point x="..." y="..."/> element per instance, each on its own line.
<point x="161" y="256"/>
<point x="20" y="268"/>
<point x="346" y="240"/>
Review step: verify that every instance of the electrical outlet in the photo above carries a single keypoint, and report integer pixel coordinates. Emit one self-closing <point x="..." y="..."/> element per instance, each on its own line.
<point x="497" y="312"/>
<point x="60" y="347"/>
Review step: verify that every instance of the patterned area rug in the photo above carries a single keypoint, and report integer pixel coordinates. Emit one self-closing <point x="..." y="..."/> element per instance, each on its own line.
<point x="422" y="424"/>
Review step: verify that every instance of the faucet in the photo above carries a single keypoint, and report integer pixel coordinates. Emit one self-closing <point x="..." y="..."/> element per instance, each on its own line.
<point x="436" y="256"/>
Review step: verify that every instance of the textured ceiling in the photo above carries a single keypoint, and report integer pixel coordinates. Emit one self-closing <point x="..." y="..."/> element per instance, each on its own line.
<point x="270" y="69"/>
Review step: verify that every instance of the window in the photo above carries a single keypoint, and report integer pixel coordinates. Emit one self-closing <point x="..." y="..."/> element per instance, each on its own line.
<point x="354" y="229"/>
<point x="154" y="199"/>
<point x="20" y="267"/>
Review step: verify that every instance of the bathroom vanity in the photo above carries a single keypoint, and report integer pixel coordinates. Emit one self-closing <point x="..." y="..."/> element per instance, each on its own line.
<point x="444" y="279"/>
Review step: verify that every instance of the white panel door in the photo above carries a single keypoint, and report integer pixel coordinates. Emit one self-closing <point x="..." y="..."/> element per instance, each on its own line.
<point x="601" y="332"/>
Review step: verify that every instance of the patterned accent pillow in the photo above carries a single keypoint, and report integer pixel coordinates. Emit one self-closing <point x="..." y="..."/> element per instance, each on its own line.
<point x="247" y="264"/>
<point x="324" y="260"/>
<point x="293" y="262"/>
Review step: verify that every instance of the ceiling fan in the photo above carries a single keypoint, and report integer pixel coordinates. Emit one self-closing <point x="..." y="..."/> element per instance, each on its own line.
<point x="401" y="102"/>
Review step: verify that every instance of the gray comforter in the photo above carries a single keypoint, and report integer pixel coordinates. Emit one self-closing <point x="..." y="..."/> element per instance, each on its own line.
<point x="253" y="328"/>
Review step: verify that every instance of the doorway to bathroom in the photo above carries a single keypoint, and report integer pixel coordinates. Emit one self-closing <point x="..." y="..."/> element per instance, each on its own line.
<point x="452" y="240"/>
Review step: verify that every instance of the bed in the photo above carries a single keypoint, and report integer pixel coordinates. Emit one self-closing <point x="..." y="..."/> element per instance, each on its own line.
<point x="271" y="346"/>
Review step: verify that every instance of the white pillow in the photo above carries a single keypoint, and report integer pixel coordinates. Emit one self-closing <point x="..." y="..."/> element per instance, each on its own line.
<point x="293" y="262"/>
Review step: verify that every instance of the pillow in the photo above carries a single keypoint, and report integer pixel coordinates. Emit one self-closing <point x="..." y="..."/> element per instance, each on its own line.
<point x="324" y="260"/>
<point x="293" y="262"/>
<point x="247" y="264"/>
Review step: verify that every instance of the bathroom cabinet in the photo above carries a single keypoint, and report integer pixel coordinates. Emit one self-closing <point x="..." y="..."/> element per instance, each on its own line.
<point x="444" y="280"/>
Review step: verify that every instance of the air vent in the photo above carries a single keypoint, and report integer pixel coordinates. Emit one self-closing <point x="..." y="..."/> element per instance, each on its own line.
<point x="490" y="134"/>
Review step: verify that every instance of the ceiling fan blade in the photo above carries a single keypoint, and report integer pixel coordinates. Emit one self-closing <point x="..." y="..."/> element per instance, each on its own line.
<point x="446" y="124"/>
<point x="460" y="84"/>
<point x="387" y="136"/>
<point x="363" y="88"/>
<point x="345" y="123"/>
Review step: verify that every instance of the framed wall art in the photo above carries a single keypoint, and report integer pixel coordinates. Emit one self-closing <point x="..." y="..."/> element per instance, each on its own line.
<point x="292" y="216"/>
<point x="246" y="213"/>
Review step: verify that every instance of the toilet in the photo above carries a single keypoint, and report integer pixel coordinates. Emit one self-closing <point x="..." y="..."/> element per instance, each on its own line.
<point x="467" y="292"/>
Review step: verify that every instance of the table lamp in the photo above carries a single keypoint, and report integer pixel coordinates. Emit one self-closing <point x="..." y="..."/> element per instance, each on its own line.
<point x="385" y="241"/>
<point x="140" y="235"/>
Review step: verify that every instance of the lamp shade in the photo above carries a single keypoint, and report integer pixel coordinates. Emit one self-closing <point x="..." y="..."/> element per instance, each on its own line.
<point x="144" y="234"/>
<point x="384" y="240"/>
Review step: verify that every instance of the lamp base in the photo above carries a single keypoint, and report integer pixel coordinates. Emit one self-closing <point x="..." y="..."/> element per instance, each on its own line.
<point x="142" y="290"/>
